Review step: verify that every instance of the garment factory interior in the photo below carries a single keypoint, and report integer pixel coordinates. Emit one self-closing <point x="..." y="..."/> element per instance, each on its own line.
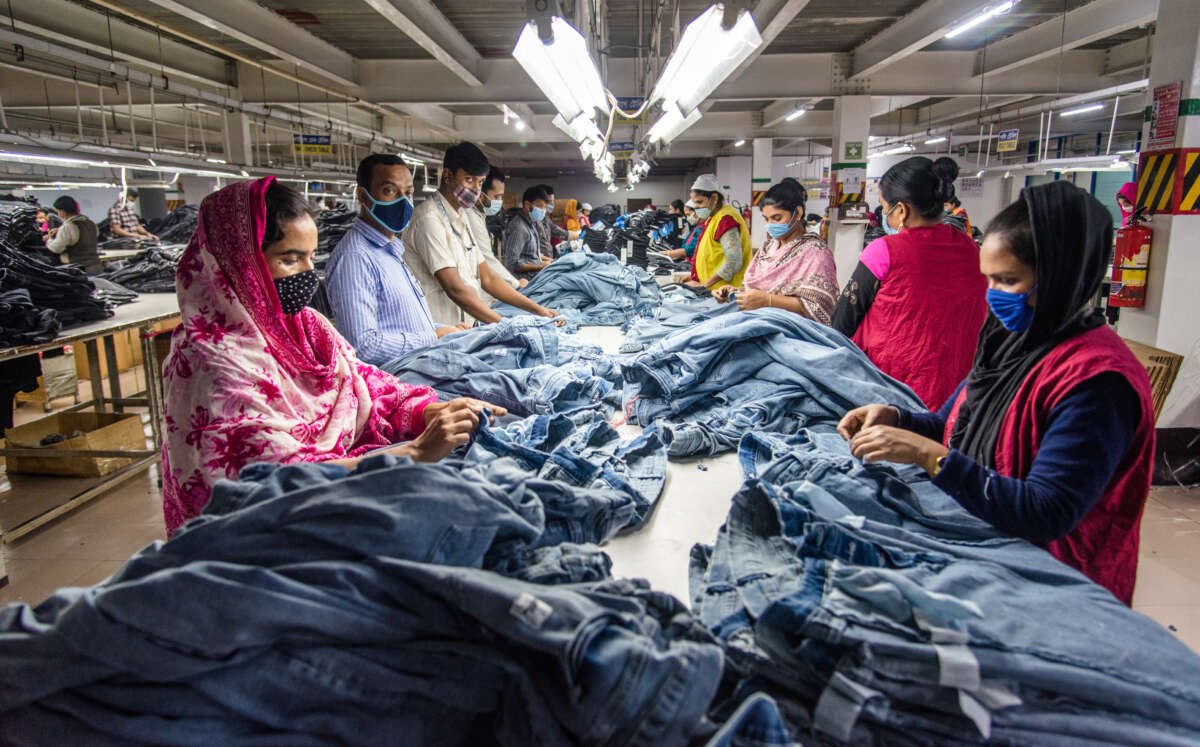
<point x="630" y="372"/>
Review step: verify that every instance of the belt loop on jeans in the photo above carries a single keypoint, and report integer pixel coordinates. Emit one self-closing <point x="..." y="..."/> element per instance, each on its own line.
<point x="840" y="705"/>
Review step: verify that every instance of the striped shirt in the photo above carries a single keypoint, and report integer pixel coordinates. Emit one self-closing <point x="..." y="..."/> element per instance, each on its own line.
<point x="377" y="303"/>
<point x="122" y="216"/>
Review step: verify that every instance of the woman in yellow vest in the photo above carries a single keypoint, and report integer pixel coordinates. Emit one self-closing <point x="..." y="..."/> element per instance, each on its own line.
<point x="724" y="250"/>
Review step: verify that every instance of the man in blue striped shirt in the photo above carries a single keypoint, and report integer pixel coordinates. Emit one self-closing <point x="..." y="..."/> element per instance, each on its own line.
<point x="378" y="305"/>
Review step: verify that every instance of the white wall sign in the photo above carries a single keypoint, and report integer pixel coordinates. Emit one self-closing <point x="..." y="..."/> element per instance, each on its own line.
<point x="970" y="186"/>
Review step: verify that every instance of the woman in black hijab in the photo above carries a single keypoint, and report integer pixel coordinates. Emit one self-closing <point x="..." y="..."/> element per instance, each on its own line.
<point x="1051" y="436"/>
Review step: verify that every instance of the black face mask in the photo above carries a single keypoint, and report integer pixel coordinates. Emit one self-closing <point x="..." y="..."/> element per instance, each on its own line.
<point x="295" y="291"/>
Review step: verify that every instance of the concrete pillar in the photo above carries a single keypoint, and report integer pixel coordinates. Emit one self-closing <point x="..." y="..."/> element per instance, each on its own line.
<point x="761" y="180"/>
<point x="152" y="203"/>
<point x="733" y="174"/>
<point x="851" y="127"/>
<point x="238" y="145"/>
<point x="1168" y="320"/>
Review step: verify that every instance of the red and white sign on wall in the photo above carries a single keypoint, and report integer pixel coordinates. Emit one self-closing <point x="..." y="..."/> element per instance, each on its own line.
<point x="1164" y="116"/>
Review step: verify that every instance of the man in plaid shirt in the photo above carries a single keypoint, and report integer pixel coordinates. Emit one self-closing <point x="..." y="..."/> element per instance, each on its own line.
<point x="123" y="222"/>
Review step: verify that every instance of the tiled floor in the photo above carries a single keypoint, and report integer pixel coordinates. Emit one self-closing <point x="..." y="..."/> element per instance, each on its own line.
<point x="86" y="546"/>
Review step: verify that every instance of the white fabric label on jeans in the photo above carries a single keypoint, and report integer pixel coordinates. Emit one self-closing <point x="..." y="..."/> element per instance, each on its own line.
<point x="530" y="610"/>
<point x="840" y="705"/>
<point x="957" y="667"/>
<point x="995" y="695"/>
<point x="975" y="711"/>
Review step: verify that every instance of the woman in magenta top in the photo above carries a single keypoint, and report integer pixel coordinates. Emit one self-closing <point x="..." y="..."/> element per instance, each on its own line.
<point x="1051" y="436"/>
<point x="915" y="303"/>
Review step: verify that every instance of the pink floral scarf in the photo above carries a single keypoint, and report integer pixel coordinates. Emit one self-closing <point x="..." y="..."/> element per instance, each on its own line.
<point x="245" y="383"/>
<point x="802" y="268"/>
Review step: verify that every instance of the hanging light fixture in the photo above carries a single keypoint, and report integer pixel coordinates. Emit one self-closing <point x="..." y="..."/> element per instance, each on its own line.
<point x="671" y="124"/>
<point x="555" y="56"/>
<point x="707" y="53"/>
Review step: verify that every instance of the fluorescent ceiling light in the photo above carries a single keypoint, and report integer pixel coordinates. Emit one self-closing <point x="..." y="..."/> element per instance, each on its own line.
<point x="210" y="160"/>
<point x="671" y="124"/>
<point x="893" y="151"/>
<point x="794" y="115"/>
<point x="984" y="15"/>
<point x="562" y="69"/>
<point x="933" y="140"/>
<point x="78" y="163"/>
<point x="1081" y="110"/>
<point x="64" y="185"/>
<point x="1126" y="152"/>
<point x="739" y="143"/>
<point x="519" y="124"/>
<point x="706" y="55"/>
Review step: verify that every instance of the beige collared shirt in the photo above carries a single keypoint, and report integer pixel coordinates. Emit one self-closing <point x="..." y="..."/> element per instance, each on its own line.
<point x="441" y="235"/>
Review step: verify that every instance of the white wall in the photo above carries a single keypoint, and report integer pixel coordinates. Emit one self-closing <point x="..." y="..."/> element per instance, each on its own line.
<point x="196" y="188"/>
<point x="661" y="190"/>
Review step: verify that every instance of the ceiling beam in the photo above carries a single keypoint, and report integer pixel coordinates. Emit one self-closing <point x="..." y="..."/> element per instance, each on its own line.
<point x="912" y="33"/>
<point x="771" y="17"/>
<point x="422" y="22"/>
<point x="81" y="27"/>
<point x="250" y="23"/>
<point x="881" y="105"/>
<point x="777" y="112"/>
<point x="1084" y="25"/>
<point x="1130" y="57"/>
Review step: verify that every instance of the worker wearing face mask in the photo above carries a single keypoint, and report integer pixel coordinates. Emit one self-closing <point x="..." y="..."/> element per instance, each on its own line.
<point x="522" y="244"/>
<point x="448" y="249"/>
<point x="378" y="304"/>
<point x="724" y="250"/>
<point x="490" y="205"/>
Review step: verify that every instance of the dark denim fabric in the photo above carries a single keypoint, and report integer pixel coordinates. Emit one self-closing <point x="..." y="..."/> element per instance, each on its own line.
<point x="876" y="612"/>
<point x="312" y="606"/>
<point x="597" y="286"/>
<point x="764" y="370"/>
<point x="522" y="364"/>
<point x="576" y="454"/>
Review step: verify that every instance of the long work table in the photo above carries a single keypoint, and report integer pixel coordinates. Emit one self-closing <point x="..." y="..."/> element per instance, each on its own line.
<point x="29" y="501"/>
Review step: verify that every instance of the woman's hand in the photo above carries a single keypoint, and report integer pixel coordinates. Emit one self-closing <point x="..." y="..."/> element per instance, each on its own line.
<point x="448" y="425"/>
<point x="865" y="417"/>
<point x="521" y="283"/>
<point x="675" y="254"/>
<point x="884" y="443"/>
<point x="551" y="314"/>
<point x="749" y="299"/>
<point x="722" y="293"/>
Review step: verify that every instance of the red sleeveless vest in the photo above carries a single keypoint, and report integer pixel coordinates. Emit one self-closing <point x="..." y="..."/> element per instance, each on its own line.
<point x="924" y="323"/>
<point x="1104" y="545"/>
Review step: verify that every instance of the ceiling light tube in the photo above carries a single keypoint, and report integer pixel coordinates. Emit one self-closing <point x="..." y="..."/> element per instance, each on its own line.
<point x="893" y="151"/>
<point x="984" y="15"/>
<point x="739" y="143"/>
<point x="933" y="140"/>
<point x="706" y="55"/>
<point x="794" y="115"/>
<point x="1082" y="110"/>
<point x="562" y="68"/>
<point x="671" y="124"/>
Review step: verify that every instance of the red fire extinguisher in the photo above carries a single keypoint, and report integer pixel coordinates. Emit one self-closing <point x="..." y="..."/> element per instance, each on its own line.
<point x="1131" y="261"/>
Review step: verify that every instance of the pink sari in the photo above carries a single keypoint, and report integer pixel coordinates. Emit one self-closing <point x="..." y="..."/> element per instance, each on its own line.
<point x="246" y="383"/>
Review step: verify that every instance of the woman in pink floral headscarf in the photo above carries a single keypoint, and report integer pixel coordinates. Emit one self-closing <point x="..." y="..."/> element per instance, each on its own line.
<point x="253" y="375"/>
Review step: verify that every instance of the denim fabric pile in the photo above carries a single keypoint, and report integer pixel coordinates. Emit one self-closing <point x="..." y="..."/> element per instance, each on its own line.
<point x="469" y="601"/>
<point x="19" y="228"/>
<point x="177" y="226"/>
<point x="591" y="289"/>
<point x="22" y="322"/>
<point x="150" y="271"/>
<point x="65" y="289"/>
<point x="332" y="225"/>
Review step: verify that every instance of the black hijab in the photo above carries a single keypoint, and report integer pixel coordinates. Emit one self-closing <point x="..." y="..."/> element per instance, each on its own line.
<point x="1072" y="246"/>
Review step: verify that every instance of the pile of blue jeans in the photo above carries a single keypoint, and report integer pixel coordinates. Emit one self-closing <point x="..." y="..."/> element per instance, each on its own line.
<point x="522" y="364"/>
<point x="591" y="289"/>
<point x="679" y="310"/>
<point x="873" y="609"/>
<point x="764" y="370"/>
<point x="419" y="604"/>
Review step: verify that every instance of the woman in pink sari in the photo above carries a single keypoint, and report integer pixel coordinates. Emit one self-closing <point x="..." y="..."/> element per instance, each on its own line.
<point x="794" y="269"/>
<point x="255" y="376"/>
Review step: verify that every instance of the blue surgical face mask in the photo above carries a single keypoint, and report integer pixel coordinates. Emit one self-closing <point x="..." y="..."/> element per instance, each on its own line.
<point x="392" y="215"/>
<point x="779" y="230"/>
<point x="492" y="208"/>
<point x="887" y="227"/>
<point x="536" y="214"/>
<point x="703" y="212"/>
<point x="1012" y="309"/>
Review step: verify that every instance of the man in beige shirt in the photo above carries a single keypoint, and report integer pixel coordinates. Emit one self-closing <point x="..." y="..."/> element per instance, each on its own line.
<point x="446" y="249"/>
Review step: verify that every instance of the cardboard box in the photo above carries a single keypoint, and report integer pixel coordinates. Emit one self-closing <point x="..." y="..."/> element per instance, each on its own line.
<point x="1162" y="367"/>
<point x="101" y="430"/>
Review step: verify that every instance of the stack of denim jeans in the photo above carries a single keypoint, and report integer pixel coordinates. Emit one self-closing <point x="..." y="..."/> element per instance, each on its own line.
<point x="522" y="364"/>
<point x="597" y="286"/>
<point x="23" y="323"/>
<point x="66" y="289"/>
<point x="764" y="370"/>
<point x="311" y="606"/>
<point x="679" y="310"/>
<point x="150" y="271"/>
<point x="875" y="610"/>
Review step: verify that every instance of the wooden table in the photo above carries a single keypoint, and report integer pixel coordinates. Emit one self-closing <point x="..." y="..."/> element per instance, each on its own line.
<point x="20" y="512"/>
